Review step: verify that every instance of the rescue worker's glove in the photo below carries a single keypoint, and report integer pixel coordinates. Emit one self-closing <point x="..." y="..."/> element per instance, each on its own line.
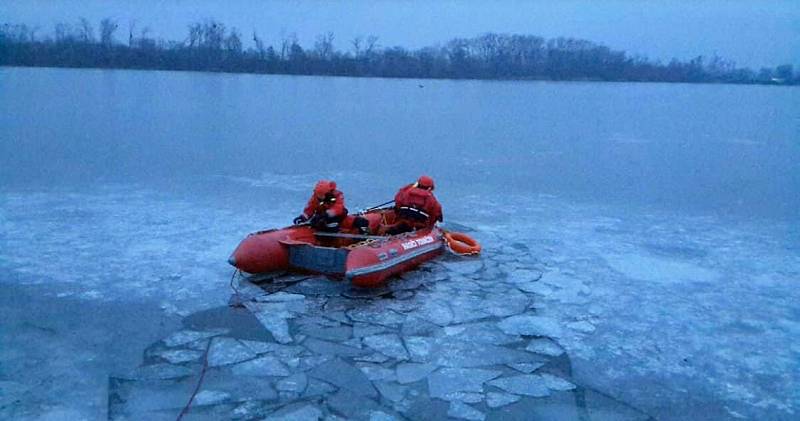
<point x="299" y="220"/>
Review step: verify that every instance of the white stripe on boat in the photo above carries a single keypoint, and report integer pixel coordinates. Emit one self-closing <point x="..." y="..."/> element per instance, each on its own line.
<point x="393" y="261"/>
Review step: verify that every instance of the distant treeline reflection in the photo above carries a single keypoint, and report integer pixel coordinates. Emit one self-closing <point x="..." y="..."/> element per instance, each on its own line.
<point x="211" y="46"/>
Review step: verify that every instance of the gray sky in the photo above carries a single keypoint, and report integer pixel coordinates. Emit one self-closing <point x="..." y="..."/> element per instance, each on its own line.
<point x="753" y="33"/>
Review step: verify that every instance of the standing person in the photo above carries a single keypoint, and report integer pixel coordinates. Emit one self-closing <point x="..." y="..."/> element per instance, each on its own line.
<point x="415" y="207"/>
<point x="325" y="210"/>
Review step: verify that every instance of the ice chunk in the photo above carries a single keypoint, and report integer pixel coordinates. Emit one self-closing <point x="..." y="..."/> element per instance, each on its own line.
<point x="263" y="366"/>
<point x="463" y="411"/>
<point x="419" y="347"/>
<point x="391" y="391"/>
<point x="375" y="316"/>
<point x="329" y="348"/>
<point x="305" y="412"/>
<point x="496" y="400"/>
<point x="318" y="388"/>
<point x="524" y="276"/>
<point x="436" y="312"/>
<point x="467" y="397"/>
<point x="258" y="347"/>
<point x="210" y="397"/>
<point x="375" y="372"/>
<point x="581" y="326"/>
<point x="455" y="353"/>
<point x="284" y="352"/>
<point x="225" y="351"/>
<point x="352" y="405"/>
<point x="505" y="304"/>
<point x="451" y="380"/>
<point x="537" y="288"/>
<point x="276" y="324"/>
<point x="307" y="363"/>
<point x="525" y="324"/>
<point x="413" y="372"/>
<point x="280" y="296"/>
<point x="387" y="344"/>
<point x="375" y="357"/>
<point x="466" y="308"/>
<point x="526" y="368"/>
<point x="464" y="266"/>
<point x="344" y="376"/>
<point x="161" y="371"/>
<point x="186" y="336"/>
<point x="294" y="383"/>
<point x="483" y="332"/>
<point x="416" y="326"/>
<point x="331" y="333"/>
<point x="557" y="383"/>
<point x="544" y="346"/>
<point x="248" y="410"/>
<point x="363" y="329"/>
<point x="274" y="314"/>
<point x="353" y="343"/>
<point x="527" y="384"/>
<point x="177" y="356"/>
<point x="381" y="416"/>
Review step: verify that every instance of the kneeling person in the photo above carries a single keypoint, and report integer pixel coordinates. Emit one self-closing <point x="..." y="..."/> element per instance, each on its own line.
<point x="415" y="207"/>
<point x="325" y="210"/>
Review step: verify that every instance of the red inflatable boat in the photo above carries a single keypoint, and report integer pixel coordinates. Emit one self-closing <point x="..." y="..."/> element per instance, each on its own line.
<point x="367" y="261"/>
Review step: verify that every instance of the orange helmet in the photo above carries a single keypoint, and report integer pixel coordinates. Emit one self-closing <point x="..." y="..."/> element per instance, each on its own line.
<point x="324" y="187"/>
<point x="425" y="182"/>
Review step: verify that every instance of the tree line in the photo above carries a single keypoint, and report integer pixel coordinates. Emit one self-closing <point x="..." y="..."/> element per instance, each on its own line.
<point x="212" y="46"/>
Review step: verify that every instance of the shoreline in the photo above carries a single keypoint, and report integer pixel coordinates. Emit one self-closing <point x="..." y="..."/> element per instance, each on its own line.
<point x="417" y="78"/>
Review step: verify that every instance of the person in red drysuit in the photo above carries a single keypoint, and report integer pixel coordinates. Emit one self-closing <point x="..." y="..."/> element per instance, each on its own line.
<point x="415" y="207"/>
<point x="325" y="210"/>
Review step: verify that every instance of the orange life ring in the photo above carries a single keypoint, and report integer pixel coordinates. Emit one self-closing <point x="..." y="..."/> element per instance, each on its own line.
<point x="462" y="244"/>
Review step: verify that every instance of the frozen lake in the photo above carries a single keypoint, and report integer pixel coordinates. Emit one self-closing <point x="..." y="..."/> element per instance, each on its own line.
<point x="649" y="231"/>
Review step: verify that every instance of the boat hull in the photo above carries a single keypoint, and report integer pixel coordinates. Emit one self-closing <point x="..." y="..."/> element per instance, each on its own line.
<point x="267" y="251"/>
<point x="370" y="265"/>
<point x="366" y="264"/>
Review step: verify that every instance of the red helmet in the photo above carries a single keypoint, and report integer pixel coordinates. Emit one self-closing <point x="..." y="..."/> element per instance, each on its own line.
<point x="425" y="182"/>
<point x="324" y="187"/>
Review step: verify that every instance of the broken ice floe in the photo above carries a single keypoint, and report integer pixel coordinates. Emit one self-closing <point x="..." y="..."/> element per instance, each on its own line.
<point x="450" y="380"/>
<point x="388" y="344"/>
<point x="531" y="325"/>
<point x="497" y="400"/>
<point x="224" y="351"/>
<point x="262" y="366"/>
<point x="461" y="410"/>
<point x="185" y="336"/>
<point x="544" y="346"/>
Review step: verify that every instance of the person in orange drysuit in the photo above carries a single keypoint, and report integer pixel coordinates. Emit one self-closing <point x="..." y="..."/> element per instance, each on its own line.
<point x="325" y="210"/>
<point x="415" y="207"/>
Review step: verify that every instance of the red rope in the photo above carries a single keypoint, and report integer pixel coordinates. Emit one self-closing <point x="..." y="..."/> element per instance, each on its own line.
<point x="199" y="382"/>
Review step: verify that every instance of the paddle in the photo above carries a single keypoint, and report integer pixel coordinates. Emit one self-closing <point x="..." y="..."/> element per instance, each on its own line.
<point x="377" y="206"/>
<point x="336" y="235"/>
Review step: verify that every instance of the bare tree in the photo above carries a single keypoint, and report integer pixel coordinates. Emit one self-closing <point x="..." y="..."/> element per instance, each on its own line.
<point x="85" y="30"/>
<point x="195" y="33"/>
<point x="356" y="43"/>
<point x="107" y="29"/>
<point x="131" y="28"/>
<point x="324" y="45"/>
<point x="63" y="32"/>
<point x="259" y="45"/>
<point x="233" y="42"/>
<point x="287" y="41"/>
<point x="372" y="45"/>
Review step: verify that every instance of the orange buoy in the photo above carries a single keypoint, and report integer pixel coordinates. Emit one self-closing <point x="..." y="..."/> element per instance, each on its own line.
<point x="462" y="244"/>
